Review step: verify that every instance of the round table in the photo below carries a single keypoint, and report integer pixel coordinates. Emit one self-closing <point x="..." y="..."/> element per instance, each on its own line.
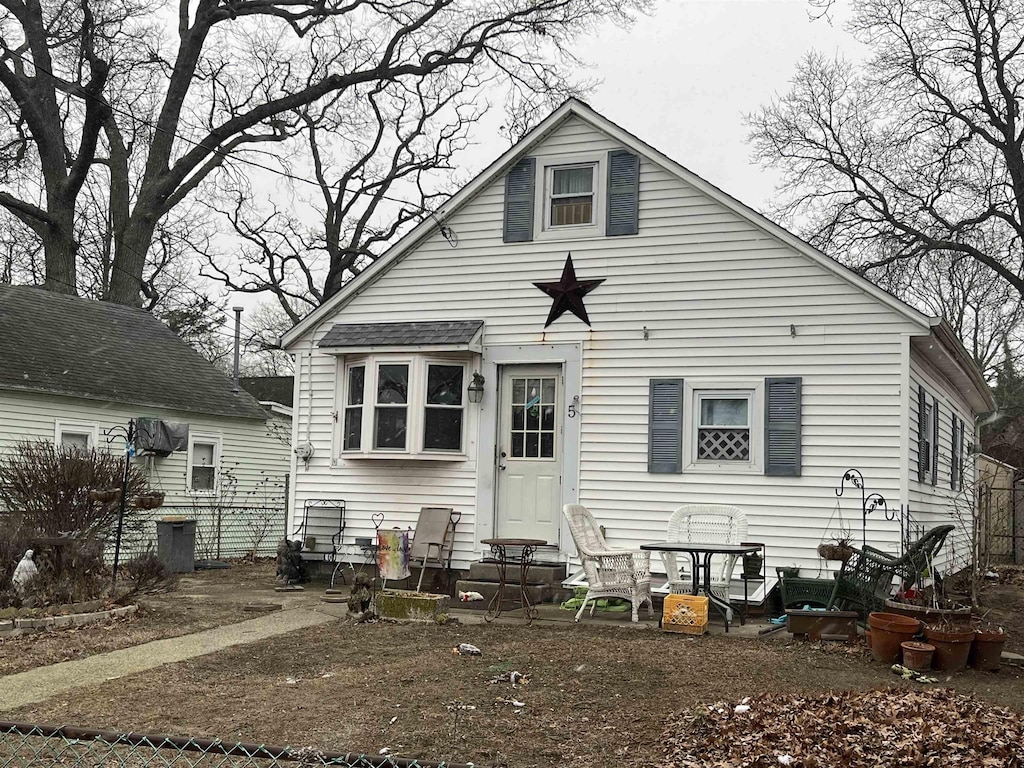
<point x="512" y="551"/>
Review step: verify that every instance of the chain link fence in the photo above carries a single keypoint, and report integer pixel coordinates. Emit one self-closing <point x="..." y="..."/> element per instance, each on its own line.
<point x="37" y="745"/>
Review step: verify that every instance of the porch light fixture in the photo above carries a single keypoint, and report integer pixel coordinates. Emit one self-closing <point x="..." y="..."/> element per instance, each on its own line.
<point x="476" y="388"/>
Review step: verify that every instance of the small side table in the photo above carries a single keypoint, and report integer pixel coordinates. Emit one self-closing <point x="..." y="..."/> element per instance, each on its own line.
<point x="503" y="558"/>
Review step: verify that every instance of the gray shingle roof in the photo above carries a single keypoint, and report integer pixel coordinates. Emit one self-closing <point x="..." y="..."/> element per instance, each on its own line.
<point x="272" y="389"/>
<point x="65" y="345"/>
<point x="401" y="334"/>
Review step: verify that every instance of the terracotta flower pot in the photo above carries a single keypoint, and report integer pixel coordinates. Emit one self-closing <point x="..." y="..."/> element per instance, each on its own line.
<point x="888" y="632"/>
<point x="952" y="647"/>
<point x="927" y="614"/>
<point x="987" y="649"/>
<point x="917" y="656"/>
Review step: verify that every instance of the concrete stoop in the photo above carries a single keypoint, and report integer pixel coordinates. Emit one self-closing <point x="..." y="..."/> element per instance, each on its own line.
<point x="483" y="570"/>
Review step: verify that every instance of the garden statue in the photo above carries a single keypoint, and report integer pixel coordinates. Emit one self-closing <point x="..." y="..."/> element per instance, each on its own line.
<point x="290" y="569"/>
<point x="359" y="600"/>
<point x="24" y="573"/>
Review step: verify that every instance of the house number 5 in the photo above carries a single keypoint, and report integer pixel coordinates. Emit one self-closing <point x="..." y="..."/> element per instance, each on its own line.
<point x="574" y="406"/>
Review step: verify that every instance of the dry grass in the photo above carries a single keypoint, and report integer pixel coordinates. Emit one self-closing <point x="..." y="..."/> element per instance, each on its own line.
<point x="596" y="696"/>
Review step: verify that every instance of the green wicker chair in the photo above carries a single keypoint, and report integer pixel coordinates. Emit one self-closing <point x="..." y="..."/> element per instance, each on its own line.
<point x="865" y="581"/>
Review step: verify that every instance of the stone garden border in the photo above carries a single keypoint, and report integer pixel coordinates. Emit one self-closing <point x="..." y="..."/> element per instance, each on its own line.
<point x="16" y="626"/>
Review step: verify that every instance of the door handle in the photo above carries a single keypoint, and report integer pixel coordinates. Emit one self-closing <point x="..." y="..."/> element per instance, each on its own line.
<point x="500" y="464"/>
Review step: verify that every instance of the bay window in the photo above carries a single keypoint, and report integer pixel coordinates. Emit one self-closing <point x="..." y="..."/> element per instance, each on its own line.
<point x="405" y="406"/>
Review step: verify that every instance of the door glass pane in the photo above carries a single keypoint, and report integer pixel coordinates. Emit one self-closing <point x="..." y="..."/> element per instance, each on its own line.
<point x="443" y="429"/>
<point x="532" y="391"/>
<point x="532" y="449"/>
<point x="444" y="385"/>
<point x="533" y="417"/>
<point x="393" y="384"/>
<point x="519" y="391"/>
<point x="547" y="417"/>
<point x="389" y="428"/>
<point x="518" y="417"/>
<point x="548" y="391"/>
<point x="723" y="412"/>
<point x="517" y="445"/>
<point x="356" y="377"/>
<point x="547" y="445"/>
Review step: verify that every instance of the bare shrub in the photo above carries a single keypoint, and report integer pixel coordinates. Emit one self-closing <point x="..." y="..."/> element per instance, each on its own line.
<point x="78" y="576"/>
<point x="46" y="488"/>
<point x="148" y="575"/>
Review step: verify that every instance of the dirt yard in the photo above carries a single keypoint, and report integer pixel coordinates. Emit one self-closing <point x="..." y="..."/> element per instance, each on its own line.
<point x="203" y="600"/>
<point x="596" y="696"/>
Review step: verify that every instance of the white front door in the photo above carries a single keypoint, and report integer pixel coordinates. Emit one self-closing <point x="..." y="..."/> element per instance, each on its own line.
<point x="530" y="452"/>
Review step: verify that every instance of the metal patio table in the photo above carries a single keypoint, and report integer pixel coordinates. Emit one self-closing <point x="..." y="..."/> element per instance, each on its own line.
<point x="702" y="565"/>
<point x="506" y="552"/>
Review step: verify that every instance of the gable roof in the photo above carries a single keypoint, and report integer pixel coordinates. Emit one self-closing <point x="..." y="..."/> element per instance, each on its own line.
<point x="269" y="389"/>
<point x="575" y="108"/>
<point x="66" y="345"/>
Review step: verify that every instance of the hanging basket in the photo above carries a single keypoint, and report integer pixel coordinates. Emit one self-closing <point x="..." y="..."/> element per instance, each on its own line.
<point x="149" y="500"/>
<point x="840" y="552"/>
<point x="105" y="495"/>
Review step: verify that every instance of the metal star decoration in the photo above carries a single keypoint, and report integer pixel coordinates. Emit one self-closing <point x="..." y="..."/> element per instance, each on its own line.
<point x="568" y="294"/>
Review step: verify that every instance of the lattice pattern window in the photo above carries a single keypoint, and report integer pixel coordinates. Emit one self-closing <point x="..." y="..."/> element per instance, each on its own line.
<point x="723" y="428"/>
<point x="723" y="444"/>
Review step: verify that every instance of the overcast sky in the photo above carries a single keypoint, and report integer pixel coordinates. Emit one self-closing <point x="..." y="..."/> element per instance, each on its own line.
<point x="682" y="79"/>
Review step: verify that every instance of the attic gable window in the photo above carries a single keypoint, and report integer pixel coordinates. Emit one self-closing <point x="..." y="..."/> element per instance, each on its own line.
<point x="572" y="195"/>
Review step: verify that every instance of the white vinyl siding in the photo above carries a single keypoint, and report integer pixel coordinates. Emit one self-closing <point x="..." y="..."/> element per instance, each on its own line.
<point x="699" y="293"/>
<point x="932" y="505"/>
<point x="256" y="451"/>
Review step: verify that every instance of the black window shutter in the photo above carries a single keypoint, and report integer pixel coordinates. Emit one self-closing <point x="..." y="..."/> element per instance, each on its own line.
<point x="665" y="426"/>
<point x="519" y="191"/>
<point x="922" y="435"/>
<point x="935" y="441"/>
<point x="623" y="193"/>
<point x="954" y="465"/>
<point x="782" y="446"/>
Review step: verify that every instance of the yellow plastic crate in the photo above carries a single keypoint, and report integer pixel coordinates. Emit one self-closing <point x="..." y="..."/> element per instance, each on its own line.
<point x="685" y="613"/>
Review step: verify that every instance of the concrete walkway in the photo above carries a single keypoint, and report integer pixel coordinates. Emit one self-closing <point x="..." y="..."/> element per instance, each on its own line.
<point x="43" y="682"/>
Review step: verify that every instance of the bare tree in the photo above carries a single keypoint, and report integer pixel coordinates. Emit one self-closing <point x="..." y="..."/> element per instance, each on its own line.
<point x="916" y="158"/>
<point x="92" y="86"/>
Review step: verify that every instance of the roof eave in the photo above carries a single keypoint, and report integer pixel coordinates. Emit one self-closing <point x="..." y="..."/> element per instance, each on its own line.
<point x="950" y="342"/>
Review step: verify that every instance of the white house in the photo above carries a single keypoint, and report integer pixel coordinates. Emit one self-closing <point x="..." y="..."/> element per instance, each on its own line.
<point x="72" y="370"/>
<point x="689" y="351"/>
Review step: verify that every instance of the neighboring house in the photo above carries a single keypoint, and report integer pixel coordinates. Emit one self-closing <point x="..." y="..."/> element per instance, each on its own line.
<point x="1000" y="512"/>
<point x="272" y="392"/>
<point x="691" y="351"/>
<point x="71" y="369"/>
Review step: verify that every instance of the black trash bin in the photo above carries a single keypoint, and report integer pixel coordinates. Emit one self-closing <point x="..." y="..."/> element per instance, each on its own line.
<point x="176" y="544"/>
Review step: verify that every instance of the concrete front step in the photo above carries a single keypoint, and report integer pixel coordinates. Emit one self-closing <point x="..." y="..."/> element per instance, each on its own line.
<point x="538" y="574"/>
<point x="539" y="593"/>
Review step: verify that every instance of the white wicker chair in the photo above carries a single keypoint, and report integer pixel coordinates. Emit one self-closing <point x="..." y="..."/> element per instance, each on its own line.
<point x="711" y="523"/>
<point x="610" y="572"/>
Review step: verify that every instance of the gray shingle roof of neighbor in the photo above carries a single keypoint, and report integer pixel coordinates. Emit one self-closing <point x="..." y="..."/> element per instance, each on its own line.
<point x="273" y="389"/>
<point x="401" y="334"/>
<point x="66" y="345"/>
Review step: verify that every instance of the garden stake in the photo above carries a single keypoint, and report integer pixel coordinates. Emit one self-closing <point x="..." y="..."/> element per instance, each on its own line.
<point x="128" y="435"/>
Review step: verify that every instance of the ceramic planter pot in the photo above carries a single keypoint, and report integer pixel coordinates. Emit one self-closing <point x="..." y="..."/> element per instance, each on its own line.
<point x="952" y="647"/>
<point x="917" y="656"/>
<point x="888" y="632"/>
<point x="987" y="650"/>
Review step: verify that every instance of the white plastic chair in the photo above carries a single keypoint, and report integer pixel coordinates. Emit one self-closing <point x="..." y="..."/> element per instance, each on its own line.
<point x="610" y="572"/>
<point x="704" y="523"/>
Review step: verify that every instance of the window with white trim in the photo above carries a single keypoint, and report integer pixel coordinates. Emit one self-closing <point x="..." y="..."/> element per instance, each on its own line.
<point x="203" y="463"/>
<point x="571" y="193"/>
<point x="75" y="435"/>
<point x="723" y="427"/>
<point x="416" y="406"/>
